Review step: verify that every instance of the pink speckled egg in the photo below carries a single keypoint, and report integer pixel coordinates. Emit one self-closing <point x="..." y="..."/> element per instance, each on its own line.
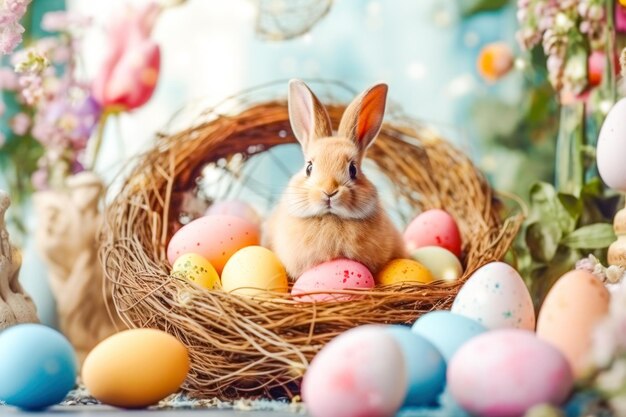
<point x="360" y="373"/>
<point x="339" y="274"/>
<point x="505" y="372"/>
<point x="235" y="208"/>
<point x="433" y="228"/>
<point x="215" y="238"/>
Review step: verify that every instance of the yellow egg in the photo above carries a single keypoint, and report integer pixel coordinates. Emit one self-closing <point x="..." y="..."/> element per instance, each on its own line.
<point x="443" y="264"/>
<point x="571" y="310"/>
<point x="404" y="270"/>
<point x="254" y="270"/>
<point x="136" y="368"/>
<point x="196" y="269"/>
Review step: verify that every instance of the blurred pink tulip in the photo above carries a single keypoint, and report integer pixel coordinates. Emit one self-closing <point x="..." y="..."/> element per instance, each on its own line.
<point x="130" y="70"/>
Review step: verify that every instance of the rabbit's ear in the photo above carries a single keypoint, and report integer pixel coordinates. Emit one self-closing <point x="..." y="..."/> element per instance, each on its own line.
<point x="308" y="117"/>
<point x="363" y="118"/>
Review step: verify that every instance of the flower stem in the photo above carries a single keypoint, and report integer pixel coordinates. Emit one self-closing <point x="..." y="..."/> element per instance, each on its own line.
<point x="99" y="135"/>
<point x="610" y="50"/>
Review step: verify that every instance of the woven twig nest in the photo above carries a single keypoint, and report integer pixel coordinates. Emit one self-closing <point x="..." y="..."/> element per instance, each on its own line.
<point x="243" y="347"/>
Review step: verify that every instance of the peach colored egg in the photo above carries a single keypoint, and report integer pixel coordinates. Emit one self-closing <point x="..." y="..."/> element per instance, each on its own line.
<point x="215" y="238"/>
<point x="339" y="274"/>
<point x="572" y="308"/>
<point x="360" y="373"/>
<point x="136" y="368"/>
<point x="505" y="372"/>
<point x="433" y="228"/>
<point x="236" y="208"/>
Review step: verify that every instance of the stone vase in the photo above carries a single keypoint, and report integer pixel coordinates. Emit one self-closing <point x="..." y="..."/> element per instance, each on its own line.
<point x="68" y="222"/>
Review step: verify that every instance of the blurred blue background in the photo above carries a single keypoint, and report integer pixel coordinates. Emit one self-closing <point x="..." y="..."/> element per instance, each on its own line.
<point x="425" y="50"/>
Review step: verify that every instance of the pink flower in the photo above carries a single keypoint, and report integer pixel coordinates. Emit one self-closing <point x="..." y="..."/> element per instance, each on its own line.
<point x="620" y="17"/>
<point x="8" y="79"/>
<point x="11" y="11"/>
<point x="20" y="124"/>
<point x="131" y="68"/>
<point x="62" y="21"/>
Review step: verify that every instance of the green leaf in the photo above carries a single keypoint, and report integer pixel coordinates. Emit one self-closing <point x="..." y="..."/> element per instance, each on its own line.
<point x="593" y="236"/>
<point x="542" y="239"/>
<point x="547" y="208"/>
<point x="471" y="7"/>
<point x="573" y="205"/>
<point x="543" y="277"/>
<point x="569" y="161"/>
<point x="592" y="187"/>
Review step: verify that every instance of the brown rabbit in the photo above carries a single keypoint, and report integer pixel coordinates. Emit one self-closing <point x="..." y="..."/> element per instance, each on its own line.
<point x="330" y="209"/>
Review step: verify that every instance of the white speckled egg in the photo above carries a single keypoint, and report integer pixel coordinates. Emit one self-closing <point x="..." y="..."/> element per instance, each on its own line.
<point x="360" y="373"/>
<point x="496" y="297"/>
<point x="612" y="147"/>
<point x="505" y="372"/>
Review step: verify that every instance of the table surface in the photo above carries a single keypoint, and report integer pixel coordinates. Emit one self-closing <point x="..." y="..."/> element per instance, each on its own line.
<point x="105" y="411"/>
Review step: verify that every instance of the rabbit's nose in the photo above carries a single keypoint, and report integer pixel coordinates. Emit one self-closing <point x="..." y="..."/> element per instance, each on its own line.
<point x="330" y="195"/>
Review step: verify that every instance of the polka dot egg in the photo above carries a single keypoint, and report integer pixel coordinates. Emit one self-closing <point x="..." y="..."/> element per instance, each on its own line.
<point x="215" y="238"/>
<point x="196" y="269"/>
<point x="496" y="297"/>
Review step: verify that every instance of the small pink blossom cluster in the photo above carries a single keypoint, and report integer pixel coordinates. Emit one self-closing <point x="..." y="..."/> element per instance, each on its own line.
<point x="11" y="11"/>
<point x="64" y="114"/>
<point x="558" y="25"/>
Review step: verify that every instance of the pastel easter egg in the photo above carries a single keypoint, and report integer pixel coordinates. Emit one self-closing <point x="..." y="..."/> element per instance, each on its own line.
<point x="496" y="296"/>
<point x="425" y="367"/>
<point x="236" y="208"/>
<point x="135" y="368"/>
<point x="360" y="373"/>
<point x="612" y="147"/>
<point x="447" y="331"/>
<point x="403" y="270"/>
<point x="441" y="263"/>
<point x="339" y="274"/>
<point x="570" y="311"/>
<point x="196" y="269"/>
<point x="505" y="372"/>
<point x="215" y="238"/>
<point x="37" y="366"/>
<point x="253" y="271"/>
<point x="433" y="228"/>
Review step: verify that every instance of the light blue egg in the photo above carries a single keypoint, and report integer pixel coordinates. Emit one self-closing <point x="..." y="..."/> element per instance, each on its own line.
<point x="426" y="368"/>
<point x="447" y="331"/>
<point x="37" y="366"/>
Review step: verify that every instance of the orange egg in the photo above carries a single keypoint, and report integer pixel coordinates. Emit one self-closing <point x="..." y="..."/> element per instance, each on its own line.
<point x="136" y="368"/>
<point x="573" y="307"/>
<point x="494" y="61"/>
<point x="404" y="270"/>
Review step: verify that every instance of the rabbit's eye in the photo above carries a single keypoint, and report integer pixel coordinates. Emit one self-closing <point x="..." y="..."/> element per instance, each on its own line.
<point x="309" y="168"/>
<point x="352" y="170"/>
